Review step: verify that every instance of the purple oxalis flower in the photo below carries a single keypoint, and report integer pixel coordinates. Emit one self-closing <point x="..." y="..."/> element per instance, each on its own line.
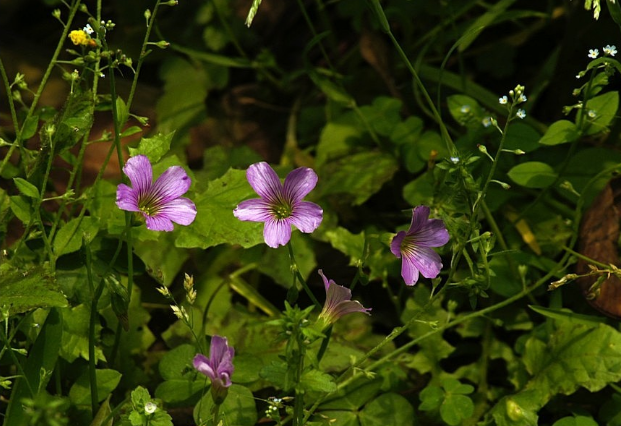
<point x="415" y="246"/>
<point x="160" y="202"/>
<point x="338" y="302"/>
<point x="219" y="366"/>
<point x="280" y="205"/>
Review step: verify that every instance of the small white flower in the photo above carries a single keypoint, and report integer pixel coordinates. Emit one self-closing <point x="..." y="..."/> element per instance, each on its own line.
<point x="503" y="100"/>
<point x="487" y="121"/>
<point x="578" y="76"/>
<point x="522" y="98"/>
<point x="591" y="113"/>
<point x="454" y="160"/>
<point x="593" y="53"/>
<point x="465" y="109"/>
<point x="521" y="113"/>
<point x="150" y="407"/>
<point x="88" y="29"/>
<point x="610" y="50"/>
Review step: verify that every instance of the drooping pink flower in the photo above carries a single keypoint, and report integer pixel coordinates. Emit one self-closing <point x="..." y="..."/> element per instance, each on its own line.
<point x="280" y="205"/>
<point x="338" y="302"/>
<point x="414" y="246"/>
<point x="219" y="366"/>
<point x="160" y="202"/>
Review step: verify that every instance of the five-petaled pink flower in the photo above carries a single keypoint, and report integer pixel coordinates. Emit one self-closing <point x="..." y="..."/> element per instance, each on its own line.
<point x="415" y="246"/>
<point x="160" y="202"/>
<point x="280" y="206"/>
<point x="338" y="302"/>
<point x="218" y="367"/>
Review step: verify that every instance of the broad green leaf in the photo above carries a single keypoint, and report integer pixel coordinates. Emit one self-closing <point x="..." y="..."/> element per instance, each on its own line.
<point x="429" y="146"/>
<point x="107" y="381"/>
<point x="215" y="223"/>
<point x="131" y="131"/>
<point x="21" y="208"/>
<point x="562" y="131"/>
<point x="315" y="380"/>
<point x="347" y="180"/>
<point x="177" y="363"/>
<point x="338" y="138"/>
<point x="431" y="398"/>
<point x="573" y="355"/>
<point x="420" y="190"/>
<point x="30" y="127"/>
<point x="26" y="188"/>
<point x="456" y="408"/>
<point x="42" y="356"/>
<point x="522" y="136"/>
<point x="182" y="392"/>
<point x="605" y="109"/>
<point x="75" y="232"/>
<point x="73" y="121"/>
<point x="383" y="115"/>
<point x="389" y="409"/>
<point x="75" y="342"/>
<point x="218" y="159"/>
<point x="247" y="368"/>
<point x="533" y="174"/>
<point x="347" y="243"/>
<point x="341" y="418"/>
<point x="25" y="290"/>
<point x="238" y="408"/>
<point x="154" y="148"/>
<point x="465" y="110"/>
<point x="275" y="373"/>
<point x="407" y="131"/>
<point x="576" y="421"/>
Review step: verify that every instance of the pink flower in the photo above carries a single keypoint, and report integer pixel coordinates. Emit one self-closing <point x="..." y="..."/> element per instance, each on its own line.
<point x="159" y="202"/>
<point x="338" y="302"/>
<point x="219" y="366"/>
<point x="415" y="246"/>
<point x="280" y="206"/>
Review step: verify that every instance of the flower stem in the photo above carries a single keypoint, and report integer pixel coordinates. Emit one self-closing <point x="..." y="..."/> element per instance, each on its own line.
<point x="298" y="275"/>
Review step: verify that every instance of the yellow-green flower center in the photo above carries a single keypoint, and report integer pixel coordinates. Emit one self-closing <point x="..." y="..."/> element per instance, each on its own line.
<point x="282" y="210"/>
<point x="149" y="205"/>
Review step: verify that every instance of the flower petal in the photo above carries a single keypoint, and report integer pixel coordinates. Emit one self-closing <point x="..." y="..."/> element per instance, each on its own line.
<point x="126" y="198"/>
<point x="349" y="307"/>
<point x="173" y="183"/>
<point x="181" y="211"/>
<point x="420" y="214"/>
<point x="395" y="244"/>
<point x="432" y="234"/>
<point x="306" y="216"/>
<point x="201" y="363"/>
<point x="255" y="210"/>
<point x="264" y="180"/>
<point x="326" y="283"/>
<point x="158" y="223"/>
<point x="427" y="261"/>
<point x="138" y="170"/>
<point x="277" y="232"/>
<point x="299" y="183"/>
<point x="409" y="272"/>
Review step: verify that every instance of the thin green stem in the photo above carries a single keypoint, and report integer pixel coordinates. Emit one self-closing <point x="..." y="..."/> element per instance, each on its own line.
<point x="296" y="273"/>
<point x="16" y="362"/>
<point x="92" y="361"/>
<point x="46" y="76"/>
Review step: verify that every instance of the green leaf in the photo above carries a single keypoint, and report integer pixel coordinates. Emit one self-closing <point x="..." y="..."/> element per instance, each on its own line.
<point x="431" y="398"/>
<point x="177" y="363"/>
<point x="389" y="409"/>
<point x="238" y="408"/>
<point x="605" y="107"/>
<point x="42" y="356"/>
<point x="569" y="316"/>
<point x="154" y="148"/>
<point x="163" y="264"/>
<point x="332" y="90"/>
<point x="25" y="290"/>
<point x="522" y="136"/>
<point x="131" y="131"/>
<point x="181" y="392"/>
<point x="533" y="174"/>
<point x="347" y="243"/>
<point x="75" y="342"/>
<point x="576" y="421"/>
<point x="456" y="408"/>
<point x="465" y="110"/>
<point x="121" y="112"/>
<point x="71" y="236"/>
<point x="573" y="355"/>
<point x="347" y="181"/>
<point x="30" y="127"/>
<point x="383" y="115"/>
<point x="21" y="208"/>
<point x="338" y="138"/>
<point x="315" y="380"/>
<point x="483" y="21"/>
<point x="562" y="131"/>
<point x="454" y="386"/>
<point x="26" y="188"/>
<point x="107" y="381"/>
<point x="277" y="264"/>
<point x="215" y="223"/>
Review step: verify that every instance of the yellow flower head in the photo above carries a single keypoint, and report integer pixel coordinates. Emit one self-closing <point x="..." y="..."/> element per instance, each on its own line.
<point x="79" y="37"/>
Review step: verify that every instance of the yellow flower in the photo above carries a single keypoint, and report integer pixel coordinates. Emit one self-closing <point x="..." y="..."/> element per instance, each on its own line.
<point x="79" y="37"/>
